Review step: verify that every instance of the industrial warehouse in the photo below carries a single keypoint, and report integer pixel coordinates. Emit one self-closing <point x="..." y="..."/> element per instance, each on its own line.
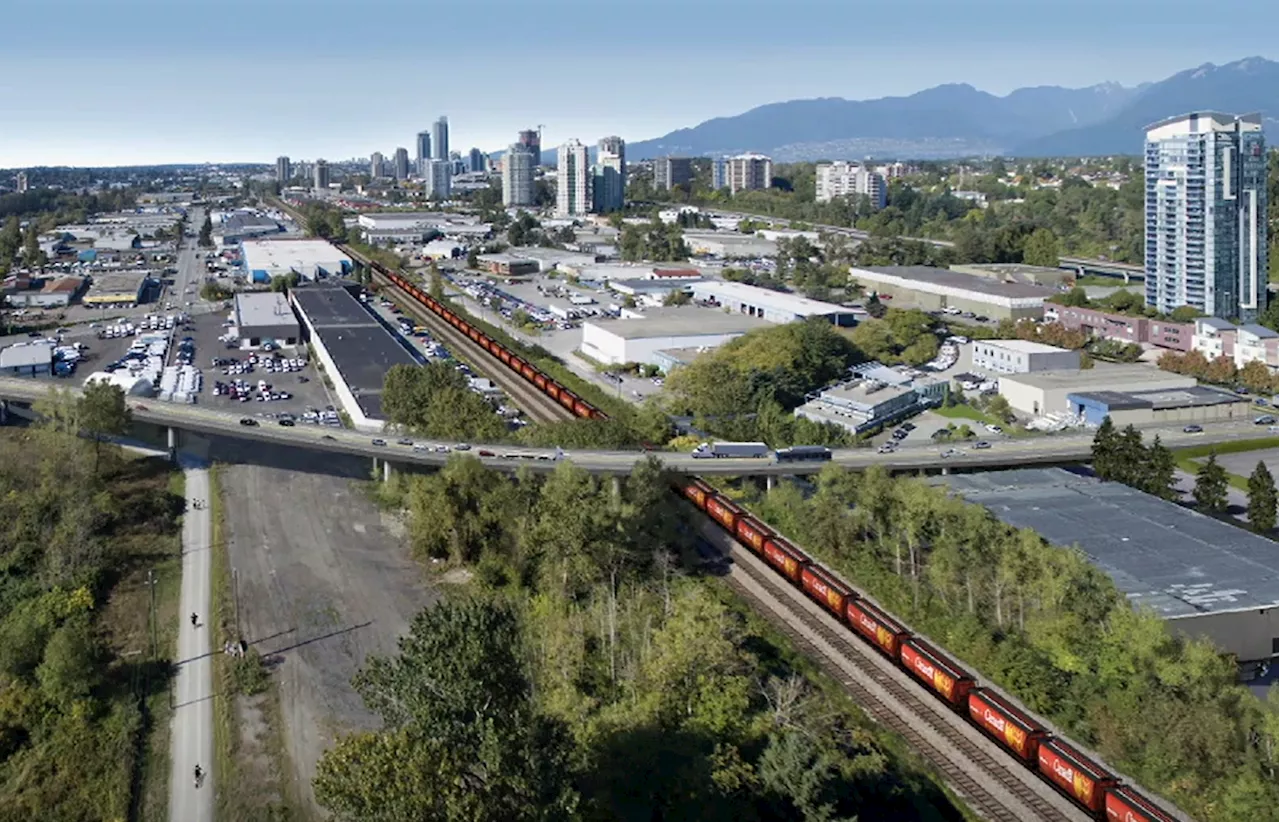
<point x="937" y="288"/>
<point x="355" y="350"/>
<point x="264" y="317"/>
<point x="1045" y="392"/>
<point x="265" y="260"/>
<point x="773" y="306"/>
<point x="1204" y="577"/>
<point x="614" y="342"/>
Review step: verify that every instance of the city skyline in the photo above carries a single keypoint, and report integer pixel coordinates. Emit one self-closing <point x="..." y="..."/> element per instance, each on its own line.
<point x="175" y="117"/>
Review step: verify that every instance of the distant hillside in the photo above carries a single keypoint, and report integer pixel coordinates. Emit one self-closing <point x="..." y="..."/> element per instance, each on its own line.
<point x="1242" y="87"/>
<point x="947" y="120"/>
<point x="958" y="120"/>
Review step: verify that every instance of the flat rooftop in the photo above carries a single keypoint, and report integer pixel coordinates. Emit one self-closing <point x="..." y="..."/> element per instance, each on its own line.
<point x="1025" y="346"/>
<point x="756" y="296"/>
<point x="292" y="255"/>
<point x="1115" y="376"/>
<point x="924" y="275"/>
<point x="263" y="308"/>
<point x="1179" y="562"/>
<point x="362" y="348"/>
<point x="681" y="321"/>
<point x="1195" y="396"/>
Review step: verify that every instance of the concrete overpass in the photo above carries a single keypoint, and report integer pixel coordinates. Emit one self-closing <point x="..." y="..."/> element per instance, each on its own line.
<point x="176" y="419"/>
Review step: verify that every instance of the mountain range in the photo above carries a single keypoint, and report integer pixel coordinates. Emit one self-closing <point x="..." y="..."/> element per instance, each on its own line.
<point x="958" y="120"/>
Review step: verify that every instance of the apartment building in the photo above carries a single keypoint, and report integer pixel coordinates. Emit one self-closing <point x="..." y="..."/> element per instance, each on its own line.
<point x="844" y="179"/>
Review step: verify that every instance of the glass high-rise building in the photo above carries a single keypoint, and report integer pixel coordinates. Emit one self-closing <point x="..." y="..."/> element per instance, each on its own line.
<point x="440" y="139"/>
<point x="400" y="163"/>
<point x="609" y="183"/>
<point x="476" y="161"/>
<point x="282" y="170"/>
<point x="422" y="151"/>
<point x="1206" y="206"/>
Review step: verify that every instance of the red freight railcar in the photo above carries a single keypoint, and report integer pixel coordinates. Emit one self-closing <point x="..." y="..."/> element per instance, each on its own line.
<point x="1009" y="726"/>
<point x="1075" y="775"/>
<point x="697" y="492"/>
<point x="943" y="676"/>
<point x="787" y="558"/>
<point x="825" y="589"/>
<point x="567" y="398"/>
<point x="540" y="380"/>
<point x="752" y="533"/>
<point x="583" y="409"/>
<point x="723" y="511"/>
<point x="1124" y="804"/>
<point x="526" y="370"/>
<point x="876" y="626"/>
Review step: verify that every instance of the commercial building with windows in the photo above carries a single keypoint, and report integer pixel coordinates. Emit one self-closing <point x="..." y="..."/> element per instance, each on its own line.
<point x="876" y="396"/>
<point x="125" y="288"/>
<point x="745" y="172"/>
<point x="1206" y="206"/>
<point x="1205" y="578"/>
<point x="400" y="164"/>
<point x="1122" y="327"/>
<point x="422" y="150"/>
<point x="437" y="179"/>
<point x="774" y="306"/>
<point x="669" y="172"/>
<point x="1200" y="403"/>
<point x="1022" y="357"/>
<point x="935" y="288"/>
<point x="264" y="316"/>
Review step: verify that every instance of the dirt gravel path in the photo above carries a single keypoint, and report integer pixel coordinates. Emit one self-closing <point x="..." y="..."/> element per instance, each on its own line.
<point x="323" y="581"/>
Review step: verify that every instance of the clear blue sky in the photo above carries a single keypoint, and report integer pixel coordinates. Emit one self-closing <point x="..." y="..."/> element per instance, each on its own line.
<point x="113" y="82"/>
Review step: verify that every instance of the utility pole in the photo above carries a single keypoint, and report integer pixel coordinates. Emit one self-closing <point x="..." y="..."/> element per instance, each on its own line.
<point x="235" y="599"/>
<point x="151" y="585"/>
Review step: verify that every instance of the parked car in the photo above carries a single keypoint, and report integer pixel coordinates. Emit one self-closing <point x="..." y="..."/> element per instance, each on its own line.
<point x="1265" y="419"/>
<point x="286" y="423"/>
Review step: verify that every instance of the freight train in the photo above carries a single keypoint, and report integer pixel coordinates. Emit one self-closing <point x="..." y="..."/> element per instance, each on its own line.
<point x="1083" y="781"/>
<point x="531" y="373"/>
<point x="1086" y="783"/>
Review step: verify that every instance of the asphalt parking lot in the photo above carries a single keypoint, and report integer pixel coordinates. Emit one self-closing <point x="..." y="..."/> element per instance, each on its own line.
<point x="309" y="394"/>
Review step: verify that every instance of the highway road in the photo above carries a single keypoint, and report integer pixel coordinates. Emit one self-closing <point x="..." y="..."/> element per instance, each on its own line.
<point x="1054" y="448"/>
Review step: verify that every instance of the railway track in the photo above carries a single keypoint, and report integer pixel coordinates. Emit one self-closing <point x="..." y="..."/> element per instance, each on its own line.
<point x="994" y="786"/>
<point x="528" y="398"/>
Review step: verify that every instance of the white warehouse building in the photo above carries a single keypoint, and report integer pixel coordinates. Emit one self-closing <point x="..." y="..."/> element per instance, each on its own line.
<point x="310" y="259"/>
<point x="614" y="342"/>
<point x="774" y="306"/>
<point x="1022" y="357"/>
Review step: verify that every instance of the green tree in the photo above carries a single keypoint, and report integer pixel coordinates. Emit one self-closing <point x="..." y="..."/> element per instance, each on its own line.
<point x="1105" y="450"/>
<point x="462" y="739"/>
<point x="473" y="257"/>
<point x="1211" y="486"/>
<point x="436" y="280"/>
<point x="874" y="307"/>
<point x="1158" y="475"/>
<point x="206" y="232"/>
<point x="32" y="255"/>
<point x="1262" y="499"/>
<point x="1185" y="313"/>
<point x="102" y="411"/>
<point x="71" y="666"/>
<point x="1041" y="248"/>
<point x="1076" y="297"/>
<point x="436" y="401"/>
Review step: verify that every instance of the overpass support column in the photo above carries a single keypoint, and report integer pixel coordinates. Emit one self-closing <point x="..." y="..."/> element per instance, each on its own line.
<point x="945" y="471"/>
<point x="386" y="471"/>
<point x="376" y="467"/>
<point x="615" y="486"/>
<point x="770" y="482"/>
<point x="4" y="412"/>
<point x="172" y="434"/>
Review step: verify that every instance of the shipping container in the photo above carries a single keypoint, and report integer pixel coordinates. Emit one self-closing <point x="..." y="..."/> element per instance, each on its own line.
<point x="825" y="589"/>
<point x="723" y="511"/>
<point x="1075" y="775"/>
<point x="1009" y="726"/>
<point x="752" y="533"/>
<point x="784" y="556"/>
<point x="943" y="676"/>
<point x="1124" y="804"/>
<point x="876" y="626"/>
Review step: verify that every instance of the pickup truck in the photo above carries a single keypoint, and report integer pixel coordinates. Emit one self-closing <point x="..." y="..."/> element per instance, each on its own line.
<point x="712" y="450"/>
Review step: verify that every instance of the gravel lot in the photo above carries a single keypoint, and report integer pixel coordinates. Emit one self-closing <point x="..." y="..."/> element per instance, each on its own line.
<point x="324" y="581"/>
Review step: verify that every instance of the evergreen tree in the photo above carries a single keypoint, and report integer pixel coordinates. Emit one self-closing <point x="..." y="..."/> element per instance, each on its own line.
<point x="874" y="307"/>
<point x="1211" y="487"/>
<point x="1105" y="445"/>
<point x="1262" y="499"/>
<point x="1130" y="458"/>
<point x="206" y="232"/>
<point x="1157" y="476"/>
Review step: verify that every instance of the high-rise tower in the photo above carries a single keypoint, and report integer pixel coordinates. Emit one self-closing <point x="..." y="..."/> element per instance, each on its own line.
<point x="609" y="186"/>
<point x="1206" y="206"/>
<point x="573" y="180"/>
<point x="440" y="139"/>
